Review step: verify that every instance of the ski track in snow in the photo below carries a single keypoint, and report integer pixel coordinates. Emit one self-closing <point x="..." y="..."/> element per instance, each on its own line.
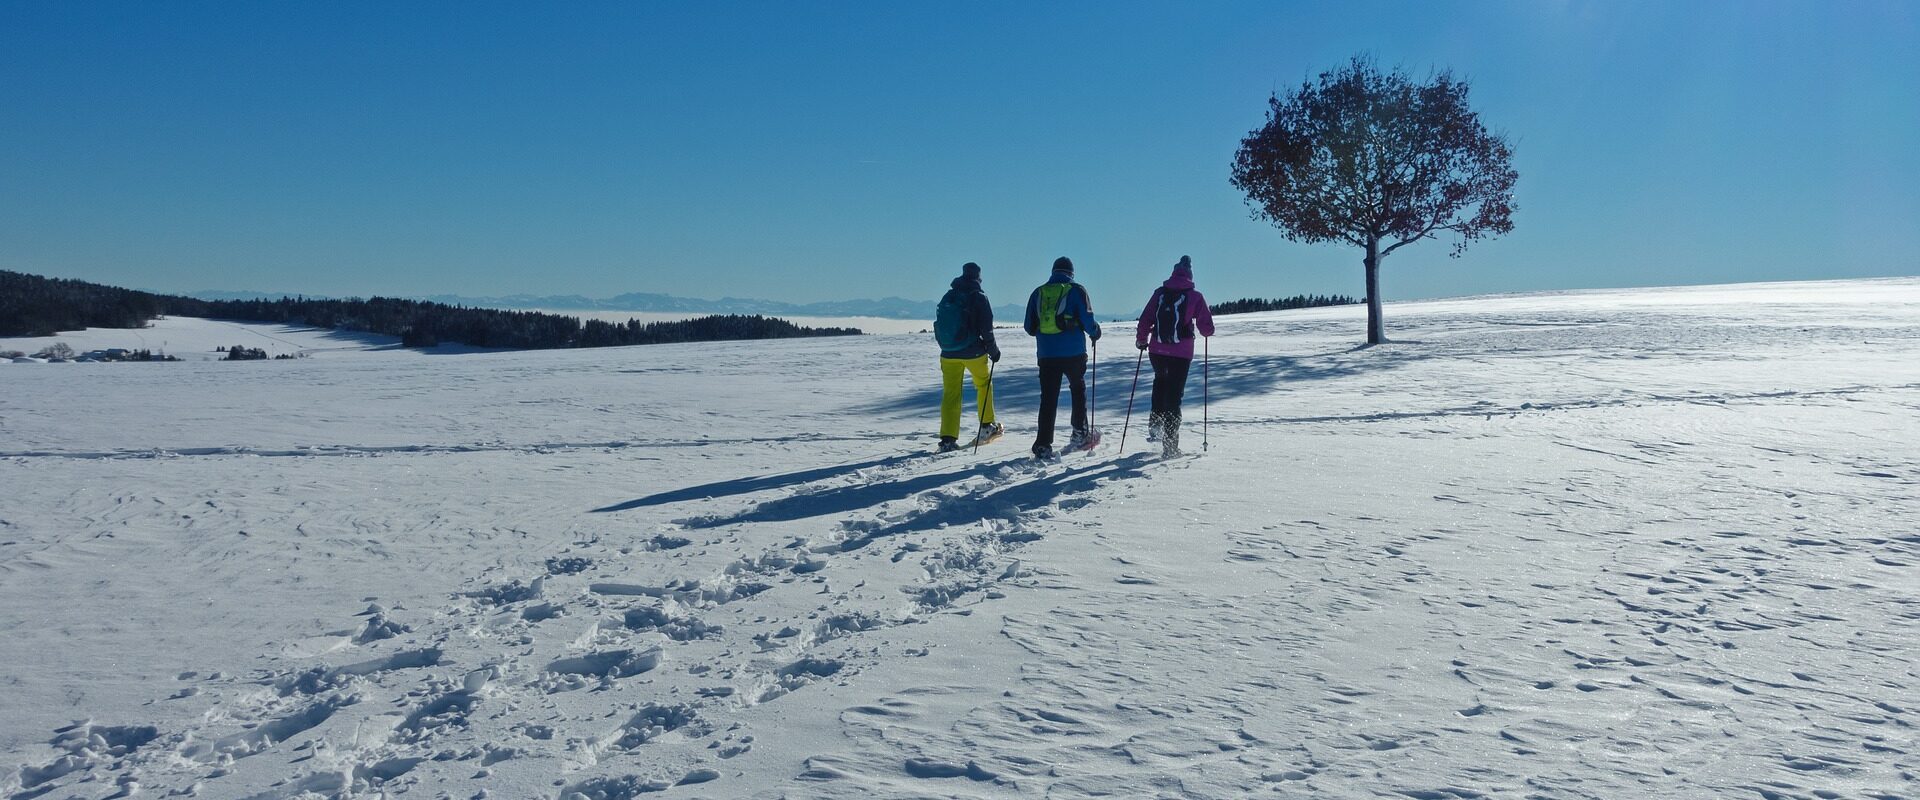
<point x="1594" y="545"/>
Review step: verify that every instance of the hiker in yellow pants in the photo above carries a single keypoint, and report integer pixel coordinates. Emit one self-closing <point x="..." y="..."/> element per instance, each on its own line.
<point x="963" y="326"/>
<point x="950" y="373"/>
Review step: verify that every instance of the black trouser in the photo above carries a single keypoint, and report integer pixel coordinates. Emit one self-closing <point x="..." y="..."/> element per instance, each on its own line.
<point x="1169" y="383"/>
<point x="1074" y="369"/>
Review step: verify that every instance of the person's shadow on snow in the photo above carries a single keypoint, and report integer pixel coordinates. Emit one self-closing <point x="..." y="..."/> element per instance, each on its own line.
<point x="739" y="486"/>
<point x="997" y="500"/>
<point x="840" y="499"/>
<point x="1006" y="501"/>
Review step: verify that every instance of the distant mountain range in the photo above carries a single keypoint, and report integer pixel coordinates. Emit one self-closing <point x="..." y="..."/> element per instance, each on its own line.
<point x="885" y="308"/>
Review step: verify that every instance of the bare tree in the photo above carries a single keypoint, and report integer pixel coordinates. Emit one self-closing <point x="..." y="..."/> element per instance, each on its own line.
<point x="1371" y="158"/>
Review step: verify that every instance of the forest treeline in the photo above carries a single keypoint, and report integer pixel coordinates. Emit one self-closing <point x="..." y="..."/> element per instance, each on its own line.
<point x="1253" y="304"/>
<point x="31" y="305"/>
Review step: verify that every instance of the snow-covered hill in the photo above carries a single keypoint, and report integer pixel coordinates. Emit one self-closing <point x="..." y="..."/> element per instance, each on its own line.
<point x="1651" y="543"/>
<point x="650" y="305"/>
<point x="196" y="339"/>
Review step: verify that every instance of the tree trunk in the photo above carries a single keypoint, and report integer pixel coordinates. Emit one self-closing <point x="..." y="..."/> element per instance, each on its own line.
<point x="1376" y="326"/>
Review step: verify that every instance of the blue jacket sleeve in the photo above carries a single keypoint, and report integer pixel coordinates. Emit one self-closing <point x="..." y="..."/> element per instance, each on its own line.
<point x="1085" y="315"/>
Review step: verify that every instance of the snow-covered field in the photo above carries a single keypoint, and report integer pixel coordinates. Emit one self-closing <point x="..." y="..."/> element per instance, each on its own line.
<point x="1653" y="543"/>
<point x="195" y="339"/>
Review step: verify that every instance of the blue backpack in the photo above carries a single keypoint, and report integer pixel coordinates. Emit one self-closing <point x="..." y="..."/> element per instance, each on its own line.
<point x="953" y="322"/>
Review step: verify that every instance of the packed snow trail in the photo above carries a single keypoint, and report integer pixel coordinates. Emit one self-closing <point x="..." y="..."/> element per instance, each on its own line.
<point x="1649" y="543"/>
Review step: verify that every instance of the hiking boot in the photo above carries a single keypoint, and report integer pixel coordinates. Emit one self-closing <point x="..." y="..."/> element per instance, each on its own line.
<point x="1082" y="439"/>
<point x="948" y="444"/>
<point x="989" y="431"/>
<point x="1042" y="452"/>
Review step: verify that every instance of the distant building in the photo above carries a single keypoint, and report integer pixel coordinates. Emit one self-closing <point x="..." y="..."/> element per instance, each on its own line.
<point x="108" y="354"/>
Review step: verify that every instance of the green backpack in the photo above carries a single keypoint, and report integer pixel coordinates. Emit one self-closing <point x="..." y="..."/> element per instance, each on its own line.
<point x="1052" y="308"/>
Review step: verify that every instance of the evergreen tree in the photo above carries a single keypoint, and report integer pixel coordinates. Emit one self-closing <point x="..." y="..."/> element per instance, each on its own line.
<point x="1281" y="304"/>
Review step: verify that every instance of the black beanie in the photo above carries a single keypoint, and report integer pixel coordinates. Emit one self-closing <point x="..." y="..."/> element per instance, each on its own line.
<point x="1063" y="264"/>
<point x="970" y="271"/>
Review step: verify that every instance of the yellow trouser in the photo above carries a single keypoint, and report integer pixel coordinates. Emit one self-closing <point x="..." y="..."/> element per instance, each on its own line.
<point x="950" y="370"/>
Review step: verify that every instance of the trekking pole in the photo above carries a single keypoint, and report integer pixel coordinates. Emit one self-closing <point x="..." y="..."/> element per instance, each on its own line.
<point x="976" y="403"/>
<point x="1136" y="387"/>
<point x="1206" y="371"/>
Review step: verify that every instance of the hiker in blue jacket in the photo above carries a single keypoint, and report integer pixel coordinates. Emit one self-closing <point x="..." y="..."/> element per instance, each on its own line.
<point x="963" y="326"/>
<point x="1060" y="318"/>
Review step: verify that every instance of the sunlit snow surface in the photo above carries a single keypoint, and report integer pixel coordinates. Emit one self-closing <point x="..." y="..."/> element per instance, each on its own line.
<point x="1650" y="543"/>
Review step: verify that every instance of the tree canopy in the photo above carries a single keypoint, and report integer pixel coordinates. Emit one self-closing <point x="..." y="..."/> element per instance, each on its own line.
<point x="1377" y="160"/>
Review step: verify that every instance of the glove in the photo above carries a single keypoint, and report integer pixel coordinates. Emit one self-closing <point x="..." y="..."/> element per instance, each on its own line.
<point x="1095" y="333"/>
<point x="1141" y="345"/>
<point x="994" y="355"/>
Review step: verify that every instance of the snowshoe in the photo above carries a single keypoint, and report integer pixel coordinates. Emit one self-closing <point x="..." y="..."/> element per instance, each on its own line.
<point x="1083" y="440"/>
<point x="989" y="433"/>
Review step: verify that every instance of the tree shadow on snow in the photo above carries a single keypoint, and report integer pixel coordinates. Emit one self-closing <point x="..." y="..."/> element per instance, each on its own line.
<point x="739" y="486"/>
<point x="370" y="341"/>
<point x="1016" y="389"/>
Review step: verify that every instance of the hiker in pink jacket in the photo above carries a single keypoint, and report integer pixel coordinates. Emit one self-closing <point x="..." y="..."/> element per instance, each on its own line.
<point x="1167" y="325"/>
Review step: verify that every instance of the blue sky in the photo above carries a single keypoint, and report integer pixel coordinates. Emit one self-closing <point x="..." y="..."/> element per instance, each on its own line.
<point x="812" y="151"/>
